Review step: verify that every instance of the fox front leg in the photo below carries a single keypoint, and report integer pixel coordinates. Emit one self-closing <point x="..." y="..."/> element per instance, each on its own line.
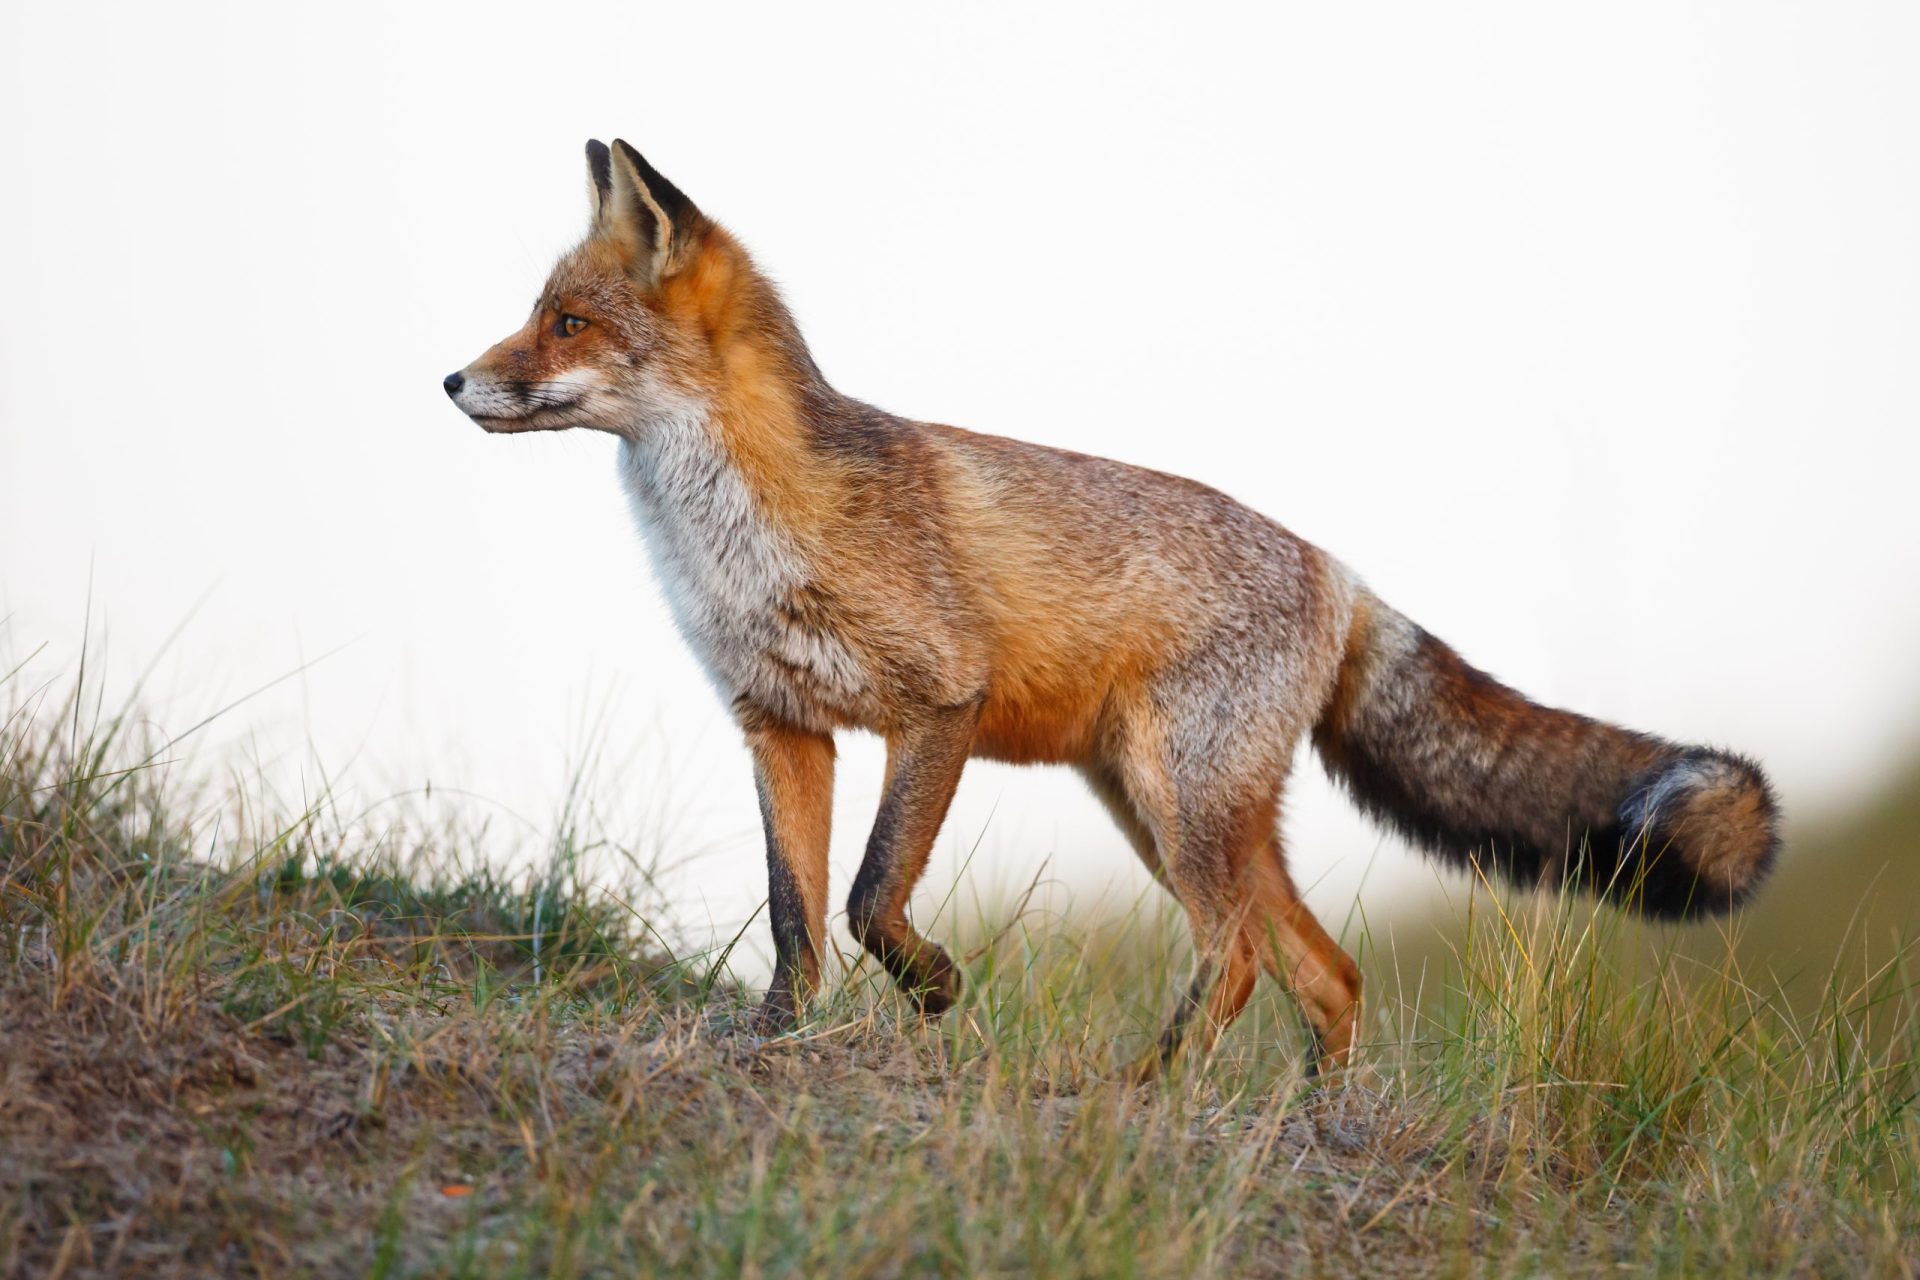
<point x="924" y="760"/>
<point x="793" y="770"/>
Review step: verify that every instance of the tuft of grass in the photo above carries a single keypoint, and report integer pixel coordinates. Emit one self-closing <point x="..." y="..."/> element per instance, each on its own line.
<point x="240" y="1040"/>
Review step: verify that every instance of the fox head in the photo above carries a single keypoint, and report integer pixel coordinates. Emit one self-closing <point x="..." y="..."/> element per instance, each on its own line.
<point x="617" y="337"/>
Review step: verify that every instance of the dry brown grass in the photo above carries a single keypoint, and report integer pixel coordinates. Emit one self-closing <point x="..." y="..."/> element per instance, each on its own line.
<point x="336" y="1050"/>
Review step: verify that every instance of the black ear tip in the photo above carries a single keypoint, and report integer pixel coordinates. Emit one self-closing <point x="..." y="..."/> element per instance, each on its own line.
<point x="600" y="165"/>
<point x="672" y="200"/>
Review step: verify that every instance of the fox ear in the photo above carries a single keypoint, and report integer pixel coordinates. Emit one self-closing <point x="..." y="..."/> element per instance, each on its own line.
<point x="599" y="176"/>
<point x="646" y="215"/>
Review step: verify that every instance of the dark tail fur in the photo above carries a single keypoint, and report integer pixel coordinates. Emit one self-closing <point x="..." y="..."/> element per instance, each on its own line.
<point x="1472" y="771"/>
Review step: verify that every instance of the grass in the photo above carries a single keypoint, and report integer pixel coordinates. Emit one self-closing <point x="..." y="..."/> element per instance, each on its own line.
<point x="234" y="1040"/>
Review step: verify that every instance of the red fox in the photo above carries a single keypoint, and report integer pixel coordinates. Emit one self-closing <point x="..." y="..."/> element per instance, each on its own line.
<point x="834" y="566"/>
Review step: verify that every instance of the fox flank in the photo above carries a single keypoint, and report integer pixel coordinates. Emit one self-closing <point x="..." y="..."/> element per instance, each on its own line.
<point x="834" y="566"/>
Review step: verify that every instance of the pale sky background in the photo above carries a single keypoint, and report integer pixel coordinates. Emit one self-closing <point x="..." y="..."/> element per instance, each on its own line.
<point x="1592" y="338"/>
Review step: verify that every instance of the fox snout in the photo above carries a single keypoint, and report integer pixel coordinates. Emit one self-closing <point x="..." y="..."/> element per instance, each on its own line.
<point x="511" y="404"/>
<point x="491" y="404"/>
<point x="468" y="395"/>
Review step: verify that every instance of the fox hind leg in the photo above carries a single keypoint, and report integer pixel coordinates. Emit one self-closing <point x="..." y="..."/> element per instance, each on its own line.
<point x="1213" y="841"/>
<point x="1197" y="836"/>
<point x="1109" y="788"/>
<point x="1303" y="957"/>
<point x="1270" y="927"/>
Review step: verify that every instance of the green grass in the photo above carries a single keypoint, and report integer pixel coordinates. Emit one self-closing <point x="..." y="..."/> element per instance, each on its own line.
<point x="334" y="1047"/>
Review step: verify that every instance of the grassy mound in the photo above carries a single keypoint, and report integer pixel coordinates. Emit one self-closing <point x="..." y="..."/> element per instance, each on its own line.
<point x="332" y="1048"/>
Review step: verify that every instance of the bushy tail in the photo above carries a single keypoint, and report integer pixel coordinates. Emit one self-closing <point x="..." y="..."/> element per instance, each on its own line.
<point x="1472" y="771"/>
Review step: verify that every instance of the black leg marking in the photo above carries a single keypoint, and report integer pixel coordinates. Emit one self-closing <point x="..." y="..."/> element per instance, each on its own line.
<point x="1191" y="1003"/>
<point x="924" y="765"/>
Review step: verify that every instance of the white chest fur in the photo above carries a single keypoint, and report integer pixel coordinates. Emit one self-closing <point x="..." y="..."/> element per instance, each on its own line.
<point x="731" y="578"/>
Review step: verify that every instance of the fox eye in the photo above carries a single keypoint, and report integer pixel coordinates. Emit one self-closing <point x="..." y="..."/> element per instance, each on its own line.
<point x="570" y="325"/>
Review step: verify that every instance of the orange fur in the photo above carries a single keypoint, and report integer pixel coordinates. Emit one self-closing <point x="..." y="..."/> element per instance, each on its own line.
<point x="963" y="595"/>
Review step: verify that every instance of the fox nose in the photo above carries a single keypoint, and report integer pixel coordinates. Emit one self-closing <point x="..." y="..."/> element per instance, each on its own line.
<point x="454" y="382"/>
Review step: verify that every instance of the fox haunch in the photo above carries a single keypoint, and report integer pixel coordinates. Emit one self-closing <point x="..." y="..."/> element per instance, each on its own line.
<point x="834" y="566"/>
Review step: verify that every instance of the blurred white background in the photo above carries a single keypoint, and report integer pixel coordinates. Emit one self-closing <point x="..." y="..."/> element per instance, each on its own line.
<point x="1589" y="337"/>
